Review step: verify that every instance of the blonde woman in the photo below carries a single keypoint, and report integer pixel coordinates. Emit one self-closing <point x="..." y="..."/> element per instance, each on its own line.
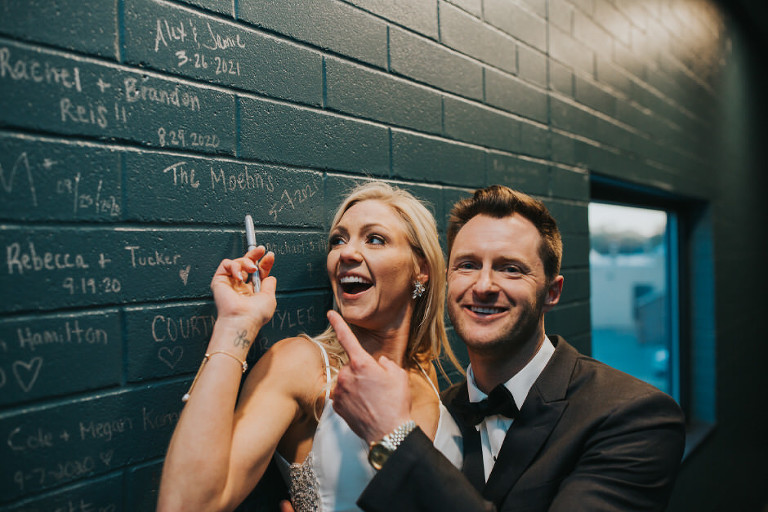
<point x="387" y="273"/>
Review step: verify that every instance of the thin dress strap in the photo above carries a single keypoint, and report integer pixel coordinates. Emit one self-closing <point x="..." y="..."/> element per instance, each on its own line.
<point x="432" y="384"/>
<point x="327" y="368"/>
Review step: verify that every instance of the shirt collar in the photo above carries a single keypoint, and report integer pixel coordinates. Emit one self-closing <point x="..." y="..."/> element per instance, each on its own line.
<point x="520" y="383"/>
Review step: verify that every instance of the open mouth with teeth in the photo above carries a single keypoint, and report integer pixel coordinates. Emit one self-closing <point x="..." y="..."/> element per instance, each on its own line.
<point x="485" y="310"/>
<point x="354" y="284"/>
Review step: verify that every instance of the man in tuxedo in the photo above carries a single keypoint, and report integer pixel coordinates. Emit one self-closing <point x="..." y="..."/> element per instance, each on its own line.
<point x="544" y="427"/>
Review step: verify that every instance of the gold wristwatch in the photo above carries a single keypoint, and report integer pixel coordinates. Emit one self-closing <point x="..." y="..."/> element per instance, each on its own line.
<point x="381" y="450"/>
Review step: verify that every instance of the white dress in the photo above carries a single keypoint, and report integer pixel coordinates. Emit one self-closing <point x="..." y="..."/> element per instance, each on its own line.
<point x="337" y="470"/>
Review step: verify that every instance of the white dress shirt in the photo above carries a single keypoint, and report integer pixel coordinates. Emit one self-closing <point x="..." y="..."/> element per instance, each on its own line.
<point x="494" y="428"/>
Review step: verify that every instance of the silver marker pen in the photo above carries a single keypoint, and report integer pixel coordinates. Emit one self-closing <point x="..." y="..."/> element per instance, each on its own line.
<point x="250" y="239"/>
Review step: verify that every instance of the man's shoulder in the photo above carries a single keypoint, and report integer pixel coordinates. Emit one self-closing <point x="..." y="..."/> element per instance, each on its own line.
<point x="588" y="375"/>
<point x="449" y="393"/>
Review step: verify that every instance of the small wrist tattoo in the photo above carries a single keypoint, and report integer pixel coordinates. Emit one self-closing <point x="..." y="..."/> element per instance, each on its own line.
<point x="241" y="341"/>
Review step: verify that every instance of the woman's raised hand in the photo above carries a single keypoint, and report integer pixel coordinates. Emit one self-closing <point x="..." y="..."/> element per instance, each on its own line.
<point x="235" y="299"/>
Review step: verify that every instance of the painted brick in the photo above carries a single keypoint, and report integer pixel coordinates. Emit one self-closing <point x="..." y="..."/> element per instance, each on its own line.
<point x="591" y="95"/>
<point x="511" y="94"/>
<point x="166" y="340"/>
<point x="517" y="22"/>
<point x="98" y="494"/>
<point x="562" y="148"/>
<point x="54" y="355"/>
<point x="627" y="60"/>
<point x="571" y="217"/>
<point x="575" y="251"/>
<point x="363" y="92"/>
<point x="220" y="6"/>
<point x="518" y="173"/>
<point x="437" y="160"/>
<point x="46" y="181"/>
<point x="433" y="64"/>
<point x="613" y="20"/>
<point x="138" y="107"/>
<point x="58" y="444"/>
<point x="131" y="264"/>
<point x="418" y="15"/>
<point x="561" y="15"/>
<point x="534" y="140"/>
<point x="586" y="6"/>
<point x="592" y="35"/>
<point x="568" y="184"/>
<point x="569" y="51"/>
<point x="473" y="7"/>
<point x="560" y="78"/>
<point x="165" y="187"/>
<point x="609" y="74"/>
<point x="165" y="37"/>
<point x="576" y="285"/>
<point x="85" y="25"/>
<point x="142" y="484"/>
<point x="328" y="24"/>
<point x="286" y="134"/>
<point x="470" y="36"/>
<point x="477" y="124"/>
<point x="532" y="65"/>
<point x="450" y="197"/>
<point x="568" y="320"/>
<point x="567" y="116"/>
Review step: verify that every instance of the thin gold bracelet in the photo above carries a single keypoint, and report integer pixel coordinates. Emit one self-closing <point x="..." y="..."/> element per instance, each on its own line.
<point x="243" y="363"/>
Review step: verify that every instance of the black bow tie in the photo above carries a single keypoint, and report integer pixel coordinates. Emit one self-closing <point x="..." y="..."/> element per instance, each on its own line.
<point x="499" y="401"/>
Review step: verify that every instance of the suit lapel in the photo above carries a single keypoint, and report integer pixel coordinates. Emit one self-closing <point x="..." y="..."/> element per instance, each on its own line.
<point x="538" y="416"/>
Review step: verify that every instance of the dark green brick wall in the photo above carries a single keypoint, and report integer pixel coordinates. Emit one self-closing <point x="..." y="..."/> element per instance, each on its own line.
<point x="136" y="134"/>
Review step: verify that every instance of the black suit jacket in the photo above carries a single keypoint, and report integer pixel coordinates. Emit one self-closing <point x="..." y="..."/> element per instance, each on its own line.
<point x="588" y="438"/>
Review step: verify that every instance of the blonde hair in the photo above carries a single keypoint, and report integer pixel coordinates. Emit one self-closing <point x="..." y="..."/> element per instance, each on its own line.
<point x="427" y="338"/>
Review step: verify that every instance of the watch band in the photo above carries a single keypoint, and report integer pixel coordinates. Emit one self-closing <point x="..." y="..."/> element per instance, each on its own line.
<point x="381" y="450"/>
<point x="397" y="436"/>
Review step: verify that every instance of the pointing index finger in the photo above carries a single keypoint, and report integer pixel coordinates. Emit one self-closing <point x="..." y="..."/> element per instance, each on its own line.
<point x="347" y="338"/>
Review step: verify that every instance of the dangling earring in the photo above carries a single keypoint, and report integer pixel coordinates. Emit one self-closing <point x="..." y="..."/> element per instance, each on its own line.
<point x="418" y="289"/>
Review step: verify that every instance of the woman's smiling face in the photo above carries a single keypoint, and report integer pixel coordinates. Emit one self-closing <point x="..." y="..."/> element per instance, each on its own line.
<point x="371" y="266"/>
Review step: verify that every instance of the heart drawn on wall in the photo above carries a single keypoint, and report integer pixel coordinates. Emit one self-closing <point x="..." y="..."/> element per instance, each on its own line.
<point x="184" y="274"/>
<point x="27" y="373"/>
<point x="171" y="357"/>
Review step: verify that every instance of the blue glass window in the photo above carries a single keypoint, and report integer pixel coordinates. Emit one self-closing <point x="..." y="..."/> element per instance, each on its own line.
<point x="633" y="292"/>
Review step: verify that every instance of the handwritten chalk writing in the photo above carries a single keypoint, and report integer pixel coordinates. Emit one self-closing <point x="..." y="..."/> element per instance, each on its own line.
<point x="7" y="185"/>
<point x="154" y="421"/>
<point x="134" y="93"/>
<point x="105" y="429"/>
<point x="82" y="201"/>
<point x="170" y="357"/>
<point x="227" y="66"/>
<point x="244" y="180"/>
<point x="167" y="328"/>
<point x="68" y="333"/>
<point x="304" y="247"/>
<point x="85" y="114"/>
<point x="144" y="260"/>
<point x="182" y="176"/>
<point x="219" y="42"/>
<point x="35" y="71"/>
<point x="20" y="441"/>
<point x="291" y="199"/>
<point x="91" y="285"/>
<point x="20" y="262"/>
<point x="183" y="138"/>
<point x="164" y="31"/>
<point x="288" y="319"/>
<point x="26" y="373"/>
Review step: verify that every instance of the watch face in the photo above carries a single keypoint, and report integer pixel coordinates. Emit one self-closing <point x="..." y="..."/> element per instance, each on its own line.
<point x="378" y="455"/>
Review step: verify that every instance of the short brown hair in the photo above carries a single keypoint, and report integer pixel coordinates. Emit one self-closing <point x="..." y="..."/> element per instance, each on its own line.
<point x="499" y="201"/>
